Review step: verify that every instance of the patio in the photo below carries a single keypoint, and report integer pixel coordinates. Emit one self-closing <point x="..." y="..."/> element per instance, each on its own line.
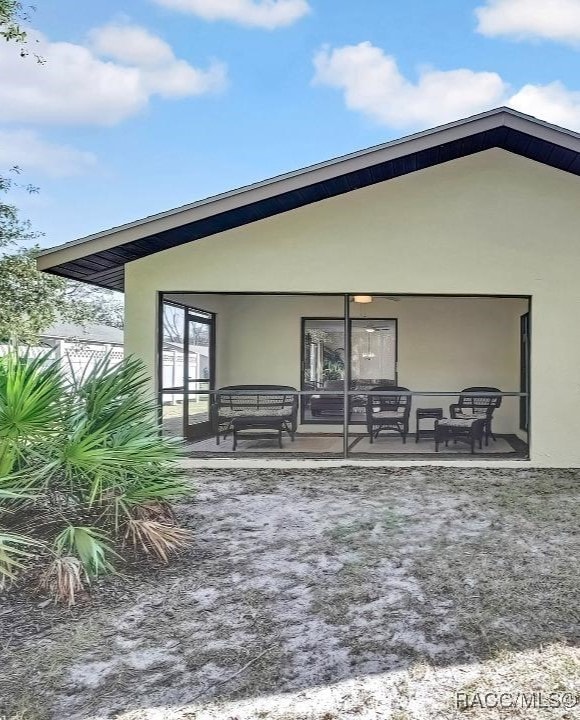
<point x="330" y="593"/>
<point x="401" y="362"/>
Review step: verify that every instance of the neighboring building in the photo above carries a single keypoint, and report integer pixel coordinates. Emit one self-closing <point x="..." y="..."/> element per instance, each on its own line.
<point x="90" y="335"/>
<point x="445" y="260"/>
<point x="78" y="347"/>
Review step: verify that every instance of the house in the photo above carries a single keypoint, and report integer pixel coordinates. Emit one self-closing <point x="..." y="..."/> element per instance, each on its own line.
<point x="442" y="261"/>
<point x="78" y="347"/>
<point x="90" y="337"/>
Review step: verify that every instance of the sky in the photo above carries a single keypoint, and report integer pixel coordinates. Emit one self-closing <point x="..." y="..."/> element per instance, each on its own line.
<point x="140" y="106"/>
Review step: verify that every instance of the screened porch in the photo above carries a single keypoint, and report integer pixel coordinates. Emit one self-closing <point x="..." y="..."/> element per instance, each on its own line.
<point x="349" y="375"/>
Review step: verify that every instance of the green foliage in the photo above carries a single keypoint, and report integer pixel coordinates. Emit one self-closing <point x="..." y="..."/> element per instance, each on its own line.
<point x="11" y="16"/>
<point x="12" y="228"/>
<point x="84" y="472"/>
<point x="31" y="300"/>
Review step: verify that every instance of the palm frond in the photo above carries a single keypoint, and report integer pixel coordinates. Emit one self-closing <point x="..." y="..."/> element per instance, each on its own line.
<point x="15" y="549"/>
<point x="31" y="390"/>
<point x="156" y="537"/>
<point x="63" y="579"/>
<point x="90" y="545"/>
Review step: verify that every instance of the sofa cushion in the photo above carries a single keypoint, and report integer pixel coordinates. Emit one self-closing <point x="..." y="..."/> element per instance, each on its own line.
<point x="272" y="411"/>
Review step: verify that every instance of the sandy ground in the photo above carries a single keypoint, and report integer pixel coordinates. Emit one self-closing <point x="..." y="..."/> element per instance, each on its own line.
<point x="326" y="594"/>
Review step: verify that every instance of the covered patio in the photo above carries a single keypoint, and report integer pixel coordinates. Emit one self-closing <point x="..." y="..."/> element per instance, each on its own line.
<point x="345" y="375"/>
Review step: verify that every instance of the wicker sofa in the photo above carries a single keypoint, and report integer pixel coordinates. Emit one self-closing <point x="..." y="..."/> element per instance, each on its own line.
<point x="259" y="407"/>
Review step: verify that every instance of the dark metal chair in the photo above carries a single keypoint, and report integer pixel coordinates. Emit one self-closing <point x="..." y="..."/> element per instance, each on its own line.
<point x="479" y="406"/>
<point x="388" y="411"/>
<point x="247" y="408"/>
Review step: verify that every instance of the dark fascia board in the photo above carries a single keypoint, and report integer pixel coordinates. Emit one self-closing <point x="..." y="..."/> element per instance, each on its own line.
<point x="100" y="258"/>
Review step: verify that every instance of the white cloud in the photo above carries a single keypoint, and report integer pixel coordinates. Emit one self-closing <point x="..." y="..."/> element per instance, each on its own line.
<point x="557" y="20"/>
<point x="268" y="14"/>
<point x="76" y="85"/>
<point x="553" y="102"/>
<point x="372" y="84"/>
<point x="131" y="44"/>
<point x="31" y="153"/>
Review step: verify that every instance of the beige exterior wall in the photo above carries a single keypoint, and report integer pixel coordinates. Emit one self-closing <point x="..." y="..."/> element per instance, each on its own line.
<point x="492" y="223"/>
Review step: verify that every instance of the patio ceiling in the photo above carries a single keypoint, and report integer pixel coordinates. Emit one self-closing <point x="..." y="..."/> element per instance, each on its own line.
<point x="100" y="259"/>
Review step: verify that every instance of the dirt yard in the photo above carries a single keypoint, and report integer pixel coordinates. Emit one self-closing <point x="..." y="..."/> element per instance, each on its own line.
<point x="326" y="594"/>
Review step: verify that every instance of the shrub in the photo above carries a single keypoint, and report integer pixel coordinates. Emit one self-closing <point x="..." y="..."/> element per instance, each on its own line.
<point x="85" y="474"/>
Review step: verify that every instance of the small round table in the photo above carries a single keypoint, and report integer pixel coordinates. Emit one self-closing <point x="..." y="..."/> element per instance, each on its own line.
<point x="424" y="413"/>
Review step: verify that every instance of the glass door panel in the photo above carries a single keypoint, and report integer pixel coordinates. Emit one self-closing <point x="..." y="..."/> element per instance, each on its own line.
<point x="171" y="381"/>
<point x="199" y="373"/>
<point x="373" y="344"/>
<point x="525" y="371"/>
<point x="373" y="362"/>
<point x="373" y="352"/>
<point x="323" y="369"/>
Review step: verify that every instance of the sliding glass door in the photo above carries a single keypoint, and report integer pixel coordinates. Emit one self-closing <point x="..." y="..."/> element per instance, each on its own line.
<point x="373" y="344"/>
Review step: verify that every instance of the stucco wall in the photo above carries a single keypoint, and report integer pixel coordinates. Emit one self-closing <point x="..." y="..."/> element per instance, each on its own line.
<point x="492" y="223"/>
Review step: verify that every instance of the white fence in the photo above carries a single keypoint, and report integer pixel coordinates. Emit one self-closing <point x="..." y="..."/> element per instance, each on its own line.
<point x="76" y="357"/>
<point x="80" y="357"/>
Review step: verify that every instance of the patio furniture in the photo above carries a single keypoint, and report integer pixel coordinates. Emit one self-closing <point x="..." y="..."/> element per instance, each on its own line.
<point x="470" y="430"/>
<point x="388" y="411"/>
<point x="424" y="414"/>
<point x="253" y="427"/>
<point x="479" y="406"/>
<point x="328" y="405"/>
<point x="251" y="408"/>
<point x="333" y="405"/>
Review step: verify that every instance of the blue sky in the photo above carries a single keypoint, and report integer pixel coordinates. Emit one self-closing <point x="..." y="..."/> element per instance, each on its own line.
<point x="142" y="106"/>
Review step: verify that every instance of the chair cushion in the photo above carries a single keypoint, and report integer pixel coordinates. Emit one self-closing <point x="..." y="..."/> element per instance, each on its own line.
<point x="476" y="412"/>
<point x="392" y="414"/>
<point x="459" y="422"/>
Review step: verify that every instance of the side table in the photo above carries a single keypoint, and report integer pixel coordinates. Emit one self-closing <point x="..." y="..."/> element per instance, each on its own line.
<point x="427" y="413"/>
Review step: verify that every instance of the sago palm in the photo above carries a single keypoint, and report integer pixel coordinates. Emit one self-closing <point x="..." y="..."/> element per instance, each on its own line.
<point x="88" y="471"/>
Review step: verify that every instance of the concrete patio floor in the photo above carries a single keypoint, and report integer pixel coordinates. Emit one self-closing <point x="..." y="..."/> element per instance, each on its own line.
<point x="312" y="445"/>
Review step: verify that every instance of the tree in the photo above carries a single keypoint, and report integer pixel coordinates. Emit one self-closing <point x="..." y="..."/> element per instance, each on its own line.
<point x="31" y="301"/>
<point x="12" y="14"/>
<point x="12" y="228"/>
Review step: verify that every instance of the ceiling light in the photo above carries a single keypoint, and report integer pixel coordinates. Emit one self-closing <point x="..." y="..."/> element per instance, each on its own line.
<point x="363" y="299"/>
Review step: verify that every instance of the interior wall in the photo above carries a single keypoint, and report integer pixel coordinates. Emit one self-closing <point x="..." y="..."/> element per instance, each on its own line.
<point x="444" y="344"/>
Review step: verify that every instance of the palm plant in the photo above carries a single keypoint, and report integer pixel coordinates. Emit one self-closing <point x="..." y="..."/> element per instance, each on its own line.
<point x="84" y="472"/>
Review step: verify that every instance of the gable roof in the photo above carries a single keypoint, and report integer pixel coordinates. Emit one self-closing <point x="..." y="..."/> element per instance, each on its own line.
<point x="90" y="332"/>
<point x="99" y="259"/>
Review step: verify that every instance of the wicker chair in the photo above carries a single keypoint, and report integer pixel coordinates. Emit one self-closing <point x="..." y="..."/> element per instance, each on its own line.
<point x="482" y="406"/>
<point x="388" y="411"/>
<point x="248" y="407"/>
